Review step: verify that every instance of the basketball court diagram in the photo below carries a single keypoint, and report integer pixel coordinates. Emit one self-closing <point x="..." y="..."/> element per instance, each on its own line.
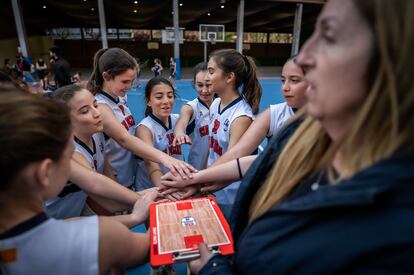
<point x="183" y="225"/>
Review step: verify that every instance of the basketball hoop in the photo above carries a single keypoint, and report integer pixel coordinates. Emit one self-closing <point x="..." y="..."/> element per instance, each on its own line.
<point x="210" y="33"/>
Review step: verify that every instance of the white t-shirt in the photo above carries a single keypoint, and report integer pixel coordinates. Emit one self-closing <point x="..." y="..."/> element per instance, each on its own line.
<point x="71" y="200"/>
<point x="279" y="114"/>
<point x="162" y="138"/>
<point x="47" y="246"/>
<point x="197" y="130"/>
<point x="219" y="135"/>
<point x="121" y="160"/>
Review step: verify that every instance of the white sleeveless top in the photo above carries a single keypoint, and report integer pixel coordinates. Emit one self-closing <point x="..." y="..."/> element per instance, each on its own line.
<point x="162" y="138"/>
<point x="279" y="114"/>
<point x="219" y="135"/>
<point x="197" y="130"/>
<point x="121" y="160"/>
<point x="71" y="200"/>
<point x="95" y="157"/>
<point x="47" y="246"/>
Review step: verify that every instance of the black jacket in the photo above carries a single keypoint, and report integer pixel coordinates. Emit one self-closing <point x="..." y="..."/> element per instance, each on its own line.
<point x="363" y="225"/>
<point x="61" y="69"/>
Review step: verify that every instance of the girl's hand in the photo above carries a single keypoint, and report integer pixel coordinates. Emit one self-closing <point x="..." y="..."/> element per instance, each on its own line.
<point x="179" y="193"/>
<point x="175" y="181"/>
<point x="179" y="167"/>
<point x="212" y="187"/>
<point x="182" y="139"/>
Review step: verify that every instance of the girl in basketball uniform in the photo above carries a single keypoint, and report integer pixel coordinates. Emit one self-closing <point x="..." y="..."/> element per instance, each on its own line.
<point x="232" y="112"/>
<point x="113" y="72"/>
<point x="157" y="69"/>
<point x="268" y="123"/>
<point x="157" y="130"/>
<point x="192" y="126"/>
<point x="35" y="165"/>
<point x="89" y="152"/>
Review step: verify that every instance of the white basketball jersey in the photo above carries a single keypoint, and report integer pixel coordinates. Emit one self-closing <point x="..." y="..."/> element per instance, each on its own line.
<point x="279" y="114"/>
<point x="96" y="156"/>
<point x="197" y="129"/>
<point x="71" y="200"/>
<point x="121" y="160"/>
<point x="162" y="138"/>
<point x="43" y="245"/>
<point x="219" y="135"/>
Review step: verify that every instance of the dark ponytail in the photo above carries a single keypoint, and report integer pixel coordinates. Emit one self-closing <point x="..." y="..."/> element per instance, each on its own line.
<point x="114" y="61"/>
<point x="252" y="90"/>
<point x="244" y="69"/>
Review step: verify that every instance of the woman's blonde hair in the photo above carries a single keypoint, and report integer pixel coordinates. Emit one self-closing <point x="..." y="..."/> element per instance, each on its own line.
<point x="384" y="124"/>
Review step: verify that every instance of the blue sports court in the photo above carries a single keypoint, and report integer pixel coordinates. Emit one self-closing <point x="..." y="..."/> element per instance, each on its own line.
<point x="185" y="92"/>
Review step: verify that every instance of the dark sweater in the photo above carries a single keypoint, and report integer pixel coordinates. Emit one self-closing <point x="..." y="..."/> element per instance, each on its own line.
<point x="363" y="225"/>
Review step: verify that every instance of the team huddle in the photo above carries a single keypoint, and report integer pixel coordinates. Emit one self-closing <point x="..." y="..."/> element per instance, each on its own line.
<point x="113" y="154"/>
<point x="335" y="180"/>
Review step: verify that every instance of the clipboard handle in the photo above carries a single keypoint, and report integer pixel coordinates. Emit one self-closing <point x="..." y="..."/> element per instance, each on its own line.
<point x="188" y="255"/>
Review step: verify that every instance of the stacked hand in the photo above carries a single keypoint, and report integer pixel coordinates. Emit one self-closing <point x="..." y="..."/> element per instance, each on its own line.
<point x="141" y="206"/>
<point x="182" y="139"/>
<point x="179" y="167"/>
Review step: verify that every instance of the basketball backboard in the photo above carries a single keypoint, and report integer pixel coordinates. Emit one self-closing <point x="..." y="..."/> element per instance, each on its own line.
<point x="211" y="33"/>
<point x="168" y="35"/>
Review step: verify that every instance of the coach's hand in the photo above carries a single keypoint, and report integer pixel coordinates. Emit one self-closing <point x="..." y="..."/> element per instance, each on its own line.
<point x="198" y="264"/>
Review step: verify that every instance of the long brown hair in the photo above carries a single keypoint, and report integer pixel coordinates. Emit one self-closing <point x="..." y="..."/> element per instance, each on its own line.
<point x="383" y="125"/>
<point x="245" y="72"/>
<point x="114" y="61"/>
<point x="32" y="128"/>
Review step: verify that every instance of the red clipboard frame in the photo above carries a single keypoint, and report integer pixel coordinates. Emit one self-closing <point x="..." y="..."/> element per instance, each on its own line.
<point x="157" y="259"/>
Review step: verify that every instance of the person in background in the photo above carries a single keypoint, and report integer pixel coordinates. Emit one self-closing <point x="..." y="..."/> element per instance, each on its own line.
<point x="157" y="69"/>
<point x="41" y="68"/>
<point x="61" y="68"/>
<point x="8" y="67"/>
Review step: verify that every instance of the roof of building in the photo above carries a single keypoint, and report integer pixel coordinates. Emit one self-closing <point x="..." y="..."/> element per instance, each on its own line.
<point x="260" y="15"/>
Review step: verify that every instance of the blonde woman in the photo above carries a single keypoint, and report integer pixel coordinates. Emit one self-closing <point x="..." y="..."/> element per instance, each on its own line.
<point x="339" y="197"/>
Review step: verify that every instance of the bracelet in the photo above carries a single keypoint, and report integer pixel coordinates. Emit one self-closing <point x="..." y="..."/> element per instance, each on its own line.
<point x="153" y="171"/>
<point x="238" y="167"/>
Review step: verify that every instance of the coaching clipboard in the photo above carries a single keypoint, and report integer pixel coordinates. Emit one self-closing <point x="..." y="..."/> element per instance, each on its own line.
<point x="177" y="228"/>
